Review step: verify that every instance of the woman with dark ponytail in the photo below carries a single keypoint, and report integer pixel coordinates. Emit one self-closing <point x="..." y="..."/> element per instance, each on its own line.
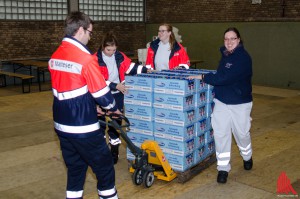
<point x="114" y="65"/>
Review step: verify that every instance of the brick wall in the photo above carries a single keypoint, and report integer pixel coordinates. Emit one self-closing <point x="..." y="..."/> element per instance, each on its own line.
<point x="27" y="39"/>
<point x="220" y="11"/>
<point x="131" y="36"/>
<point x="33" y="39"/>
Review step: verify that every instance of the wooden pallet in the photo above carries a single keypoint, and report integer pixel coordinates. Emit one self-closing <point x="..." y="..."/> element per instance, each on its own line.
<point x="185" y="176"/>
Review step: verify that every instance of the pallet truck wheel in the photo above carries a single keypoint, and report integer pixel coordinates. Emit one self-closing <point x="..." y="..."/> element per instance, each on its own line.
<point x="137" y="177"/>
<point x="148" y="179"/>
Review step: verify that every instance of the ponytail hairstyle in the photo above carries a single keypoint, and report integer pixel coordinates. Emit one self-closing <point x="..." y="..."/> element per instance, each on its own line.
<point x="172" y="39"/>
<point x="109" y="40"/>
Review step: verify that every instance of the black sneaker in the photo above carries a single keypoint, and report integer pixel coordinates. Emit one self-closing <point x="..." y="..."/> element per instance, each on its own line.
<point x="248" y="164"/>
<point x="222" y="177"/>
<point x="114" y="149"/>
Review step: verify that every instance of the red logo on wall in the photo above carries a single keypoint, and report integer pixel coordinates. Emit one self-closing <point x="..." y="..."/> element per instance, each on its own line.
<point x="284" y="185"/>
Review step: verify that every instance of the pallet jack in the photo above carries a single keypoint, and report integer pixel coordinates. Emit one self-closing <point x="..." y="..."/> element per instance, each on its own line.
<point x="149" y="158"/>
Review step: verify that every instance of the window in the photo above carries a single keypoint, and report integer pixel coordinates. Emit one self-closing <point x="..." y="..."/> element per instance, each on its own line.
<point x="33" y="9"/>
<point x="113" y="10"/>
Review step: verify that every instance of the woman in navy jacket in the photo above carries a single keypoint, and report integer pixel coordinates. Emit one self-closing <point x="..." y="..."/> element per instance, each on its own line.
<point x="233" y="103"/>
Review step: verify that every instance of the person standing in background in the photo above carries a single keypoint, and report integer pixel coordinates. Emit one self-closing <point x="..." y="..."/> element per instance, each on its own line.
<point x="165" y="52"/>
<point x="77" y="85"/>
<point x="114" y="65"/>
<point x="233" y="103"/>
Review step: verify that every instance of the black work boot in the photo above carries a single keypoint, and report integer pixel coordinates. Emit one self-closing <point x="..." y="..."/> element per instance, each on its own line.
<point x="248" y="164"/>
<point x="114" y="149"/>
<point x="222" y="177"/>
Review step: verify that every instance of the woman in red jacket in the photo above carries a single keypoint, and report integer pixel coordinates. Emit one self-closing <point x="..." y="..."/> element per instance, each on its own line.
<point x="114" y="65"/>
<point x="165" y="52"/>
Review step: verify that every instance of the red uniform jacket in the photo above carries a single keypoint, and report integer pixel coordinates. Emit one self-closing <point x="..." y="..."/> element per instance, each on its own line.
<point x="178" y="56"/>
<point x="77" y="85"/>
<point x="124" y="65"/>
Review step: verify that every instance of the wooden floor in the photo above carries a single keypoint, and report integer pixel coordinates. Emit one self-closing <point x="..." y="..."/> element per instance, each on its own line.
<point x="31" y="165"/>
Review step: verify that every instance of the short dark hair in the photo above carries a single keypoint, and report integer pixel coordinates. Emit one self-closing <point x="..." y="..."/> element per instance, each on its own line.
<point x="75" y="20"/>
<point x="235" y="30"/>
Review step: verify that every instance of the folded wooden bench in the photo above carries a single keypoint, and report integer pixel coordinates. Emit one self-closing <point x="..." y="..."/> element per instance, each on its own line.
<point x="25" y="79"/>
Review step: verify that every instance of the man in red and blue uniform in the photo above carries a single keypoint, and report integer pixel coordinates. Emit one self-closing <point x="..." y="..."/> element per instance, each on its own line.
<point x="78" y="85"/>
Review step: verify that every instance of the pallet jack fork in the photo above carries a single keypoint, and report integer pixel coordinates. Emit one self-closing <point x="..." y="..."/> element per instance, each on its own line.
<point x="149" y="160"/>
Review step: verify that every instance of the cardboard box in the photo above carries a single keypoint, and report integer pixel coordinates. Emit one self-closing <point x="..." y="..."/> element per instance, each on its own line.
<point x="139" y="82"/>
<point x="172" y="117"/>
<point x="209" y="135"/>
<point x="199" y="84"/>
<point x="172" y="132"/>
<point x="139" y="112"/>
<point x="200" y="98"/>
<point x="201" y="112"/>
<point x="174" y="102"/>
<point x="180" y="163"/>
<point x="183" y="74"/>
<point x="210" y="95"/>
<point x="138" y="137"/>
<point x="174" y="86"/>
<point x="141" y="126"/>
<point x="210" y="148"/>
<point x="200" y="140"/>
<point x="199" y="155"/>
<point x="176" y="147"/>
<point x="208" y="123"/>
<point x="201" y="126"/>
<point x="137" y="97"/>
<point x="209" y="108"/>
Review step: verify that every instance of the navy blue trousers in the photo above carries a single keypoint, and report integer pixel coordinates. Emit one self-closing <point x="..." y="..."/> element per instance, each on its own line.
<point x="79" y="153"/>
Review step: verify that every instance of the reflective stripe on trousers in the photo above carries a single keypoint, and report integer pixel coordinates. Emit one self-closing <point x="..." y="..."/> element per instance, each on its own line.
<point x="227" y="119"/>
